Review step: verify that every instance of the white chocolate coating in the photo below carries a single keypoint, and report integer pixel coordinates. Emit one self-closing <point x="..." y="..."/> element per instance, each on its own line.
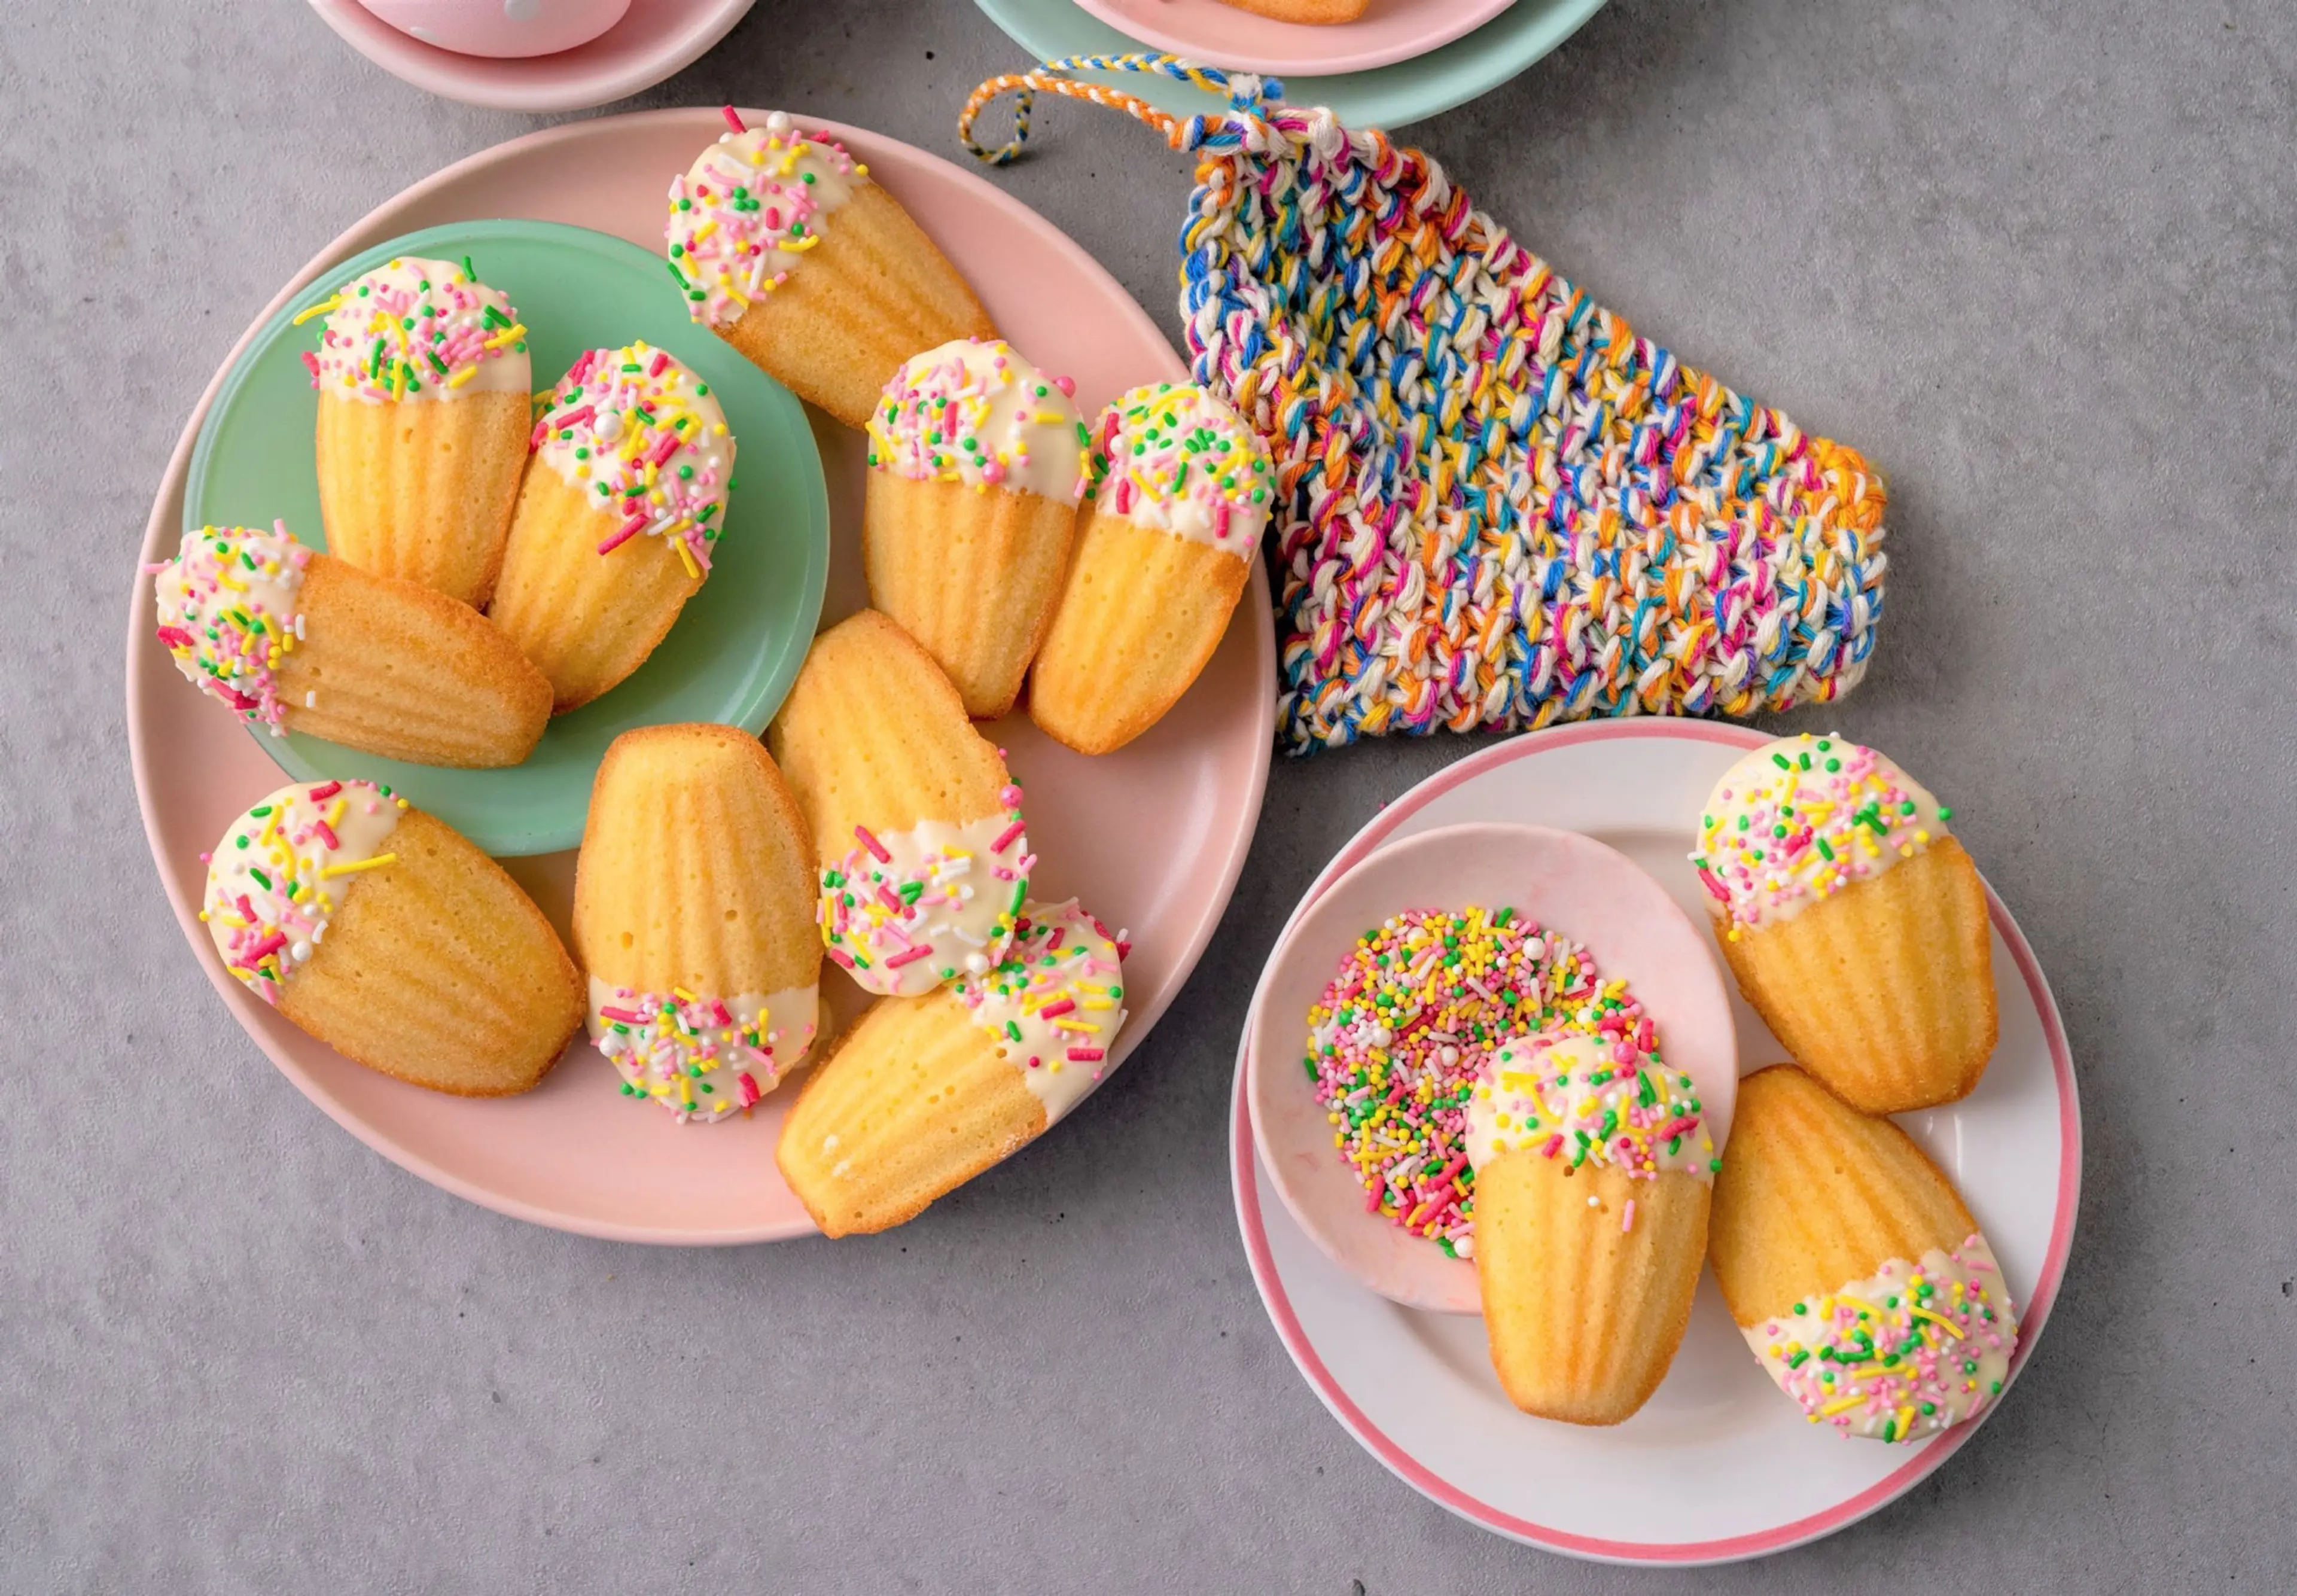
<point x="749" y="210"/>
<point x="417" y="330"/>
<point x="926" y="905"/>
<point x="1802" y="819"/>
<point x="1911" y="1350"/>
<point x="284" y="867"/>
<point x="703" y="1057"/>
<point x="974" y="411"/>
<point x="1176" y="457"/>
<point x="1588" y="1102"/>
<point x="1054" y="1003"/>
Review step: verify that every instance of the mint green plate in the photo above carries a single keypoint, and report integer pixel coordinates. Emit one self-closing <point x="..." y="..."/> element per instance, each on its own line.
<point x="1386" y="96"/>
<point x="740" y="641"/>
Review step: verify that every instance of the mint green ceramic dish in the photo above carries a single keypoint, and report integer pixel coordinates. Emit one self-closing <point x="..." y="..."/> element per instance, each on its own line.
<point x="738" y="643"/>
<point x="1389" y="97"/>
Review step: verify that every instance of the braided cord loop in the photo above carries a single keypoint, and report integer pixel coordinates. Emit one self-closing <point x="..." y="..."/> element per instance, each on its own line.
<point x="1498" y="506"/>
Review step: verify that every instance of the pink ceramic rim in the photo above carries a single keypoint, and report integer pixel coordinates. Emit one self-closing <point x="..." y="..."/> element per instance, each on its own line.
<point x="534" y="83"/>
<point x="1421" y="1478"/>
<point x="1457" y="23"/>
<point x="161" y="529"/>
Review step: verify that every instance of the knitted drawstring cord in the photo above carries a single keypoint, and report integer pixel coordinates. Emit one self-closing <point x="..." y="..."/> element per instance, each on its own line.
<point x="1498" y="506"/>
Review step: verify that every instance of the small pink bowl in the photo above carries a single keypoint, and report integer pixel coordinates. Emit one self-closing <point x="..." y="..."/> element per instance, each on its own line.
<point x="1565" y="882"/>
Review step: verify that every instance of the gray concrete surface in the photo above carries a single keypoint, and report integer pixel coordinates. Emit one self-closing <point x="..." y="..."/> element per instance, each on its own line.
<point x="2037" y="260"/>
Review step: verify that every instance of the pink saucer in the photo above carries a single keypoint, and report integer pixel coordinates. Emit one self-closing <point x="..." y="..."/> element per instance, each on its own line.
<point x="654" y="39"/>
<point x="1150" y="837"/>
<point x="1561" y="880"/>
<point x="1222" y="35"/>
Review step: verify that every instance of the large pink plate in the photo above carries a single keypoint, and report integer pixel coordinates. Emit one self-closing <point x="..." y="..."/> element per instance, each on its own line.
<point x="1151" y="838"/>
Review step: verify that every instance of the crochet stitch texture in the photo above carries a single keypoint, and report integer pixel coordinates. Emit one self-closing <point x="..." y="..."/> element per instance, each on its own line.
<point x="1498" y="506"/>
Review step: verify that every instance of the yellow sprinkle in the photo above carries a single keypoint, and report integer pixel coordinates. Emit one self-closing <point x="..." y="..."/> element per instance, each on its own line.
<point x="1842" y="1404"/>
<point x="326" y="308"/>
<point x="685" y="558"/>
<point x="377" y="862"/>
<point x="1947" y="1324"/>
<point x="461" y="376"/>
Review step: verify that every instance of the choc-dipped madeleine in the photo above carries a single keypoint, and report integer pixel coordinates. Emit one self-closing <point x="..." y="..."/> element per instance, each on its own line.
<point x="789" y="251"/>
<point x="969" y="513"/>
<point x="1855" y="923"/>
<point x="916" y="826"/>
<point x="922" y="1093"/>
<point x="424" y="384"/>
<point x="387" y="936"/>
<point x="1853" y="1267"/>
<point x="616" y="519"/>
<point x="1593" y="1179"/>
<point x="1178" y="491"/>
<point x="299" y="641"/>
<point x="694" y="920"/>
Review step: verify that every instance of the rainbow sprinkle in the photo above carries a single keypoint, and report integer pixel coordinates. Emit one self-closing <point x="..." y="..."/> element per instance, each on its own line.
<point x="1498" y="506"/>
<point x="750" y="209"/>
<point x="229" y="612"/>
<point x="1401" y="1034"/>
<point x="1904" y="1354"/>
<point x="903" y="912"/>
<point x="417" y="329"/>
<point x="1799" y="819"/>
<point x="640" y="435"/>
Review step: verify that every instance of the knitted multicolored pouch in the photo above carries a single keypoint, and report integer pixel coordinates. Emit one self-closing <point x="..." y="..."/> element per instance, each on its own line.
<point x="1501" y="507"/>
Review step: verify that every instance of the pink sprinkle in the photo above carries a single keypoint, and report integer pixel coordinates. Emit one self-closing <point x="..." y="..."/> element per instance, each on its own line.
<point x="327" y="790"/>
<point x="876" y="848"/>
<point x="733" y="119"/>
<point x="327" y="834"/>
<point x="664" y="449"/>
<point x="1067" y="385"/>
<point x="750" y="1092"/>
<point x="534" y="440"/>
<point x="1627" y="1220"/>
<point x="1053" y="1011"/>
<point x="622" y="534"/>
<point x="1554" y="1146"/>
<point x="1010" y="835"/>
<point x="909" y="956"/>
<point x="175" y="637"/>
<point x="574" y="418"/>
<point x="1009" y="794"/>
<point x="1086" y="1055"/>
<point x="269" y="945"/>
<point x="312" y="361"/>
<point x="661" y="360"/>
<point x="840" y="956"/>
<point x="621" y="1016"/>
<point x="886" y="897"/>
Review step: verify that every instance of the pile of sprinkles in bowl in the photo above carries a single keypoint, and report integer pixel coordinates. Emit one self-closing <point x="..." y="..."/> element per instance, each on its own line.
<point x="1400" y="1035"/>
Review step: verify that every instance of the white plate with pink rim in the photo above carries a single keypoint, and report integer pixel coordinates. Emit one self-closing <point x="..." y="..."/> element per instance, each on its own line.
<point x="1739" y="1472"/>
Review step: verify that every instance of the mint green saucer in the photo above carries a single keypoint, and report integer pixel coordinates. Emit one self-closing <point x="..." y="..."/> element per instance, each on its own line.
<point x="740" y="641"/>
<point x="1389" y="97"/>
